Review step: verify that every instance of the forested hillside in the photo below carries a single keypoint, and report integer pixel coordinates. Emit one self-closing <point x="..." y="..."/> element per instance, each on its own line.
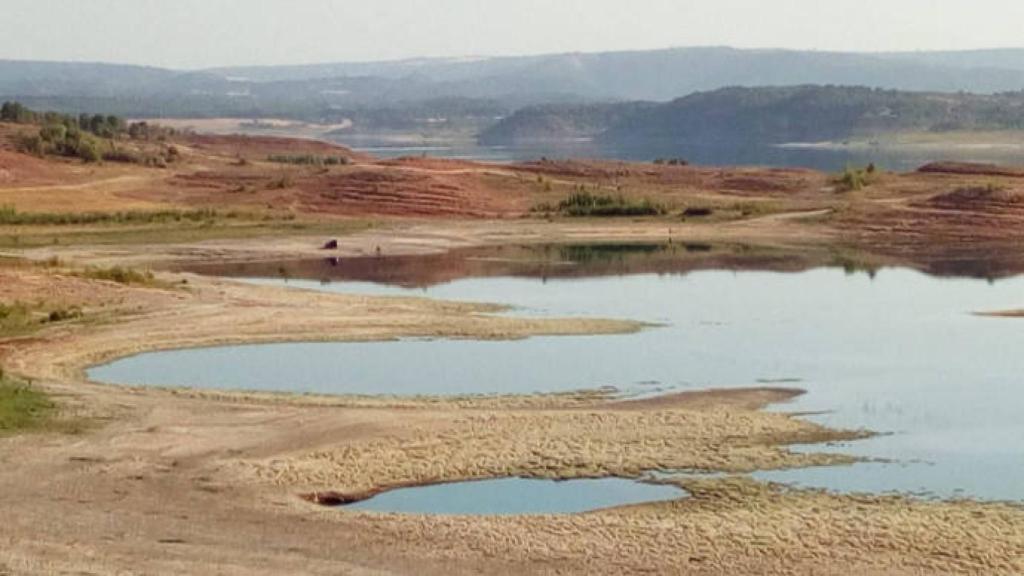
<point x="772" y="115"/>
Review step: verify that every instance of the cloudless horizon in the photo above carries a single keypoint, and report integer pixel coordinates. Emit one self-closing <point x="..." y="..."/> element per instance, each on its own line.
<point x="196" y="34"/>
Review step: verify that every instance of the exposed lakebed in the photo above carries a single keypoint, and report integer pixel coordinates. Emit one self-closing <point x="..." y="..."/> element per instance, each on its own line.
<point x="895" y="351"/>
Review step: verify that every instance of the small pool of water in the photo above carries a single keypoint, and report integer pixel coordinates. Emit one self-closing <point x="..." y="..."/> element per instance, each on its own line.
<point x="514" y="496"/>
<point x="894" y="351"/>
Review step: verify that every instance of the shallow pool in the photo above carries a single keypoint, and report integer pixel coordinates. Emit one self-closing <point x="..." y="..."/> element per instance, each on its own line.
<point x="509" y="496"/>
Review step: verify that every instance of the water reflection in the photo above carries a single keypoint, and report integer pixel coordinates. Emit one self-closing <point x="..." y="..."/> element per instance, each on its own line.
<point x="566" y="261"/>
<point x="887" y="349"/>
<point x="900" y="158"/>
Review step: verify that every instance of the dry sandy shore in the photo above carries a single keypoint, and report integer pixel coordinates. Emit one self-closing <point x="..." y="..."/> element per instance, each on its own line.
<point x="183" y="482"/>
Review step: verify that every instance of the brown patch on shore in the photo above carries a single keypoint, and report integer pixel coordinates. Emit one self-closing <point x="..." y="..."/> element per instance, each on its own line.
<point x="260" y="147"/>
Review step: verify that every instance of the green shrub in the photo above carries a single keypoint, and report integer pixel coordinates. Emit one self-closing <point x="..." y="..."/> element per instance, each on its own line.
<point x="120" y="275"/>
<point x="14" y="318"/>
<point x="852" y="179"/>
<point x="308" y="160"/>
<point x="587" y="204"/>
<point x="88" y="153"/>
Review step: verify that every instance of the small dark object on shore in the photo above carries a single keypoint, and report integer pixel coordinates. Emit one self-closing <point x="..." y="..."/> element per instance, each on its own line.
<point x="330" y="498"/>
<point x="697" y="212"/>
<point x="672" y="161"/>
<point x="331" y="245"/>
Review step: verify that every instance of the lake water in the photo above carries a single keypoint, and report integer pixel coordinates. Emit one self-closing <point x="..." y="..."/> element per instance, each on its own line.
<point x="830" y="160"/>
<point x="518" y="496"/>
<point x="894" y="351"/>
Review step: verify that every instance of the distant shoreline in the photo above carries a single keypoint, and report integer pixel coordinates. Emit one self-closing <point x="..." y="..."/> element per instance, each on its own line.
<point x="1009" y="140"/>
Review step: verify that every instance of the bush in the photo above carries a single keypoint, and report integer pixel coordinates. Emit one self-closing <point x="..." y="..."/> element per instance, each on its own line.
<point x="87" y="152"/>
<point x="587" y="204"/>
<point x="120" y="275"/>
<point x="64" y="314"/>
<point x="32" y="145"/>
<point x="308" y="160"/>
<point x="121" y="155"/>
<point x="852" y="179"/>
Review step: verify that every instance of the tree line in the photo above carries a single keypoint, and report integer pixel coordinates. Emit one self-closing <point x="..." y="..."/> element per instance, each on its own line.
<point x="90" y="137"/>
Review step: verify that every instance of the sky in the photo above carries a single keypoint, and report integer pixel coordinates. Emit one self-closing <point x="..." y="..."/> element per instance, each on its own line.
<point x="191" y="34"/>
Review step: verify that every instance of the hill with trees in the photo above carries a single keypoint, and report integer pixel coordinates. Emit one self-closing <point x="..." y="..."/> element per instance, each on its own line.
<point x="774" y="115"/>
<point x="316" y="92"/>
<point x="560" y="122"/>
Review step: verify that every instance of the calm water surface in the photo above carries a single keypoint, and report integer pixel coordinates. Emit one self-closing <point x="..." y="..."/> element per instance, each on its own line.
<point x="518" y="496"/>
<point x="897" y="352"/>
<point x="830" y="160"/>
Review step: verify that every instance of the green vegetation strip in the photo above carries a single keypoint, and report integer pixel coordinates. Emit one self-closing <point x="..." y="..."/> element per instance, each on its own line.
<point x="12" y="217"/>
<point x="308" y="160"/>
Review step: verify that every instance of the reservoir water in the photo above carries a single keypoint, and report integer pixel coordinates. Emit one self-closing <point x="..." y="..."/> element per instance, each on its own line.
<point x="894" y="351"/>
<point x="890" y="157"/>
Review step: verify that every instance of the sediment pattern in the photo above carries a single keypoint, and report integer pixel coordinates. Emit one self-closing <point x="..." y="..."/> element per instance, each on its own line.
<point x="736" y="526"/>
<point x="614" y="441"/>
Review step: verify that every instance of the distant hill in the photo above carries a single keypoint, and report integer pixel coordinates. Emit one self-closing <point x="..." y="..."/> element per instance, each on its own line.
<point x="313" y="92"/>
<point x="560" y="122"/>
<point x="1000" y="58"/>
<point x="770" y="115"/>
<point x="666" y="74"/>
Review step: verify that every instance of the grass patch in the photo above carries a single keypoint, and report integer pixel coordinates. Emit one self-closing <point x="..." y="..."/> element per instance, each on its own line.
<point x="23" y="408"/>
<point x="20" y="319"/>
<point x="11" y="217"/>
<point x="582" y="204"/>
<point x="15" y="318"/>
<point x="125" y="276"/>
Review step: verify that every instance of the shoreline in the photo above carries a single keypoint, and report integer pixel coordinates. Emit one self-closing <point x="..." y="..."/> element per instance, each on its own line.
<point x="211" y="471"/>
<point x="208" y="469"/>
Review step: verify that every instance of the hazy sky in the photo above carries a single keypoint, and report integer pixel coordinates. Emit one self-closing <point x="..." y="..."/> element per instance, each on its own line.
<point x="201" y="33"/>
